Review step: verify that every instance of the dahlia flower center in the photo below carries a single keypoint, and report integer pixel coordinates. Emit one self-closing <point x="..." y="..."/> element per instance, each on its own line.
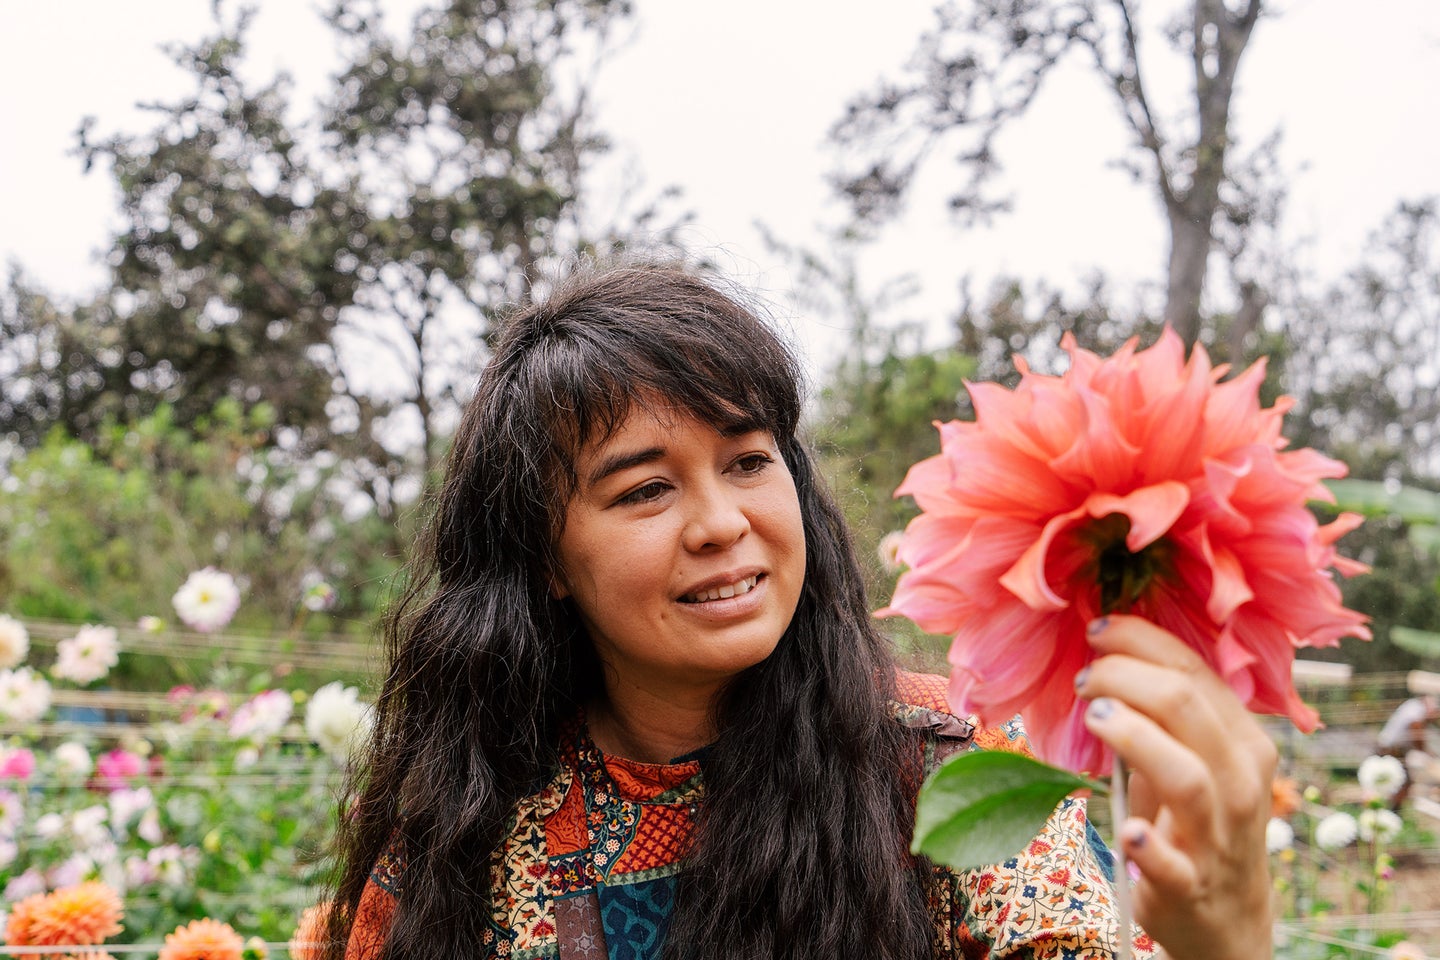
<point x="1124" y="575"/>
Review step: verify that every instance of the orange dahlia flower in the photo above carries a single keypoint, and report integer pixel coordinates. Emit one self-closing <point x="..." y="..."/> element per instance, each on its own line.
<point x="1138" y="483"/>
<point x="311" y="933"/>
<point x="1285" y="797"/>
<point x="202" y="940"/>
<point x="86" y="913"/>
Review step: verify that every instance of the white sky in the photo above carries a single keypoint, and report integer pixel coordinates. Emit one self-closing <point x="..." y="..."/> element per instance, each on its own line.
<point x="731" y="102"/>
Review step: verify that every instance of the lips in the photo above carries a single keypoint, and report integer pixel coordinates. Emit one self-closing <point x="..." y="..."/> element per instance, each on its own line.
<point x="722" y="588"/>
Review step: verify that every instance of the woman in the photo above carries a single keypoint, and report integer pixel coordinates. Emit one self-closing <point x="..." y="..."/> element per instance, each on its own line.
<point x="636" y="706"/>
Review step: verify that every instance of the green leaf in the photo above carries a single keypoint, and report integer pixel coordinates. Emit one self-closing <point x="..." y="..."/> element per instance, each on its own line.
<point x="983" y="807"/>
<point x="1373" y="497"/>
<point x="1426" y="537"/>
<point x="1423" y="642"/>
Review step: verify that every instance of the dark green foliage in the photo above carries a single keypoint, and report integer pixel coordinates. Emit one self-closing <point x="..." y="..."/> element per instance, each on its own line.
<point x="106" y="531"/>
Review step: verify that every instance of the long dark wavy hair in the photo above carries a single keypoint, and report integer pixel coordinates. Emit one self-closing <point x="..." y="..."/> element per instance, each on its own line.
<point x="800" y="847"/>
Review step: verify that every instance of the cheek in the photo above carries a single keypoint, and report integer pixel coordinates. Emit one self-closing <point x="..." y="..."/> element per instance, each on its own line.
<point x="787" y="533"/>
<point x="614" y="569"/>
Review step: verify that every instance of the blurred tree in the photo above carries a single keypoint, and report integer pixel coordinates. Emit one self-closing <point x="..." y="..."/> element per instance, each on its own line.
<point x="226" y="277"/>
<point x="983" y="66"/>
<point x="874" y="414"/>
<point x="343" y="272"/>
<point x="1362" y="358"/>
<point x="466" y="145"/>
<point x="346" y="275"/>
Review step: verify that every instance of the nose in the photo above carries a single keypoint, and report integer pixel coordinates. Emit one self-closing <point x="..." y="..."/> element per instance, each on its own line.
<point x="716" y="519"/>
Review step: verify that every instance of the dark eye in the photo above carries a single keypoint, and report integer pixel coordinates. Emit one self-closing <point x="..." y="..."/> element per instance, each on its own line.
<point x="650" y="491"/>
<point x="753" y="462"/>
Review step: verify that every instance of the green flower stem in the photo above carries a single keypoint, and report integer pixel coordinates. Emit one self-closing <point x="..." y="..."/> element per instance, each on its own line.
<point x="1119" y="811"/>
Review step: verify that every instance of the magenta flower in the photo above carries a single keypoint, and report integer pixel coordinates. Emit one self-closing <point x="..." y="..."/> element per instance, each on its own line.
<point x="115" y="769"/>
<point x="18" y="764"/>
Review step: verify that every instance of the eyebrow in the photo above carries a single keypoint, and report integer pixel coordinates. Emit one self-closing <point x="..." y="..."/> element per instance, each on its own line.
<point x="623" y="461"/>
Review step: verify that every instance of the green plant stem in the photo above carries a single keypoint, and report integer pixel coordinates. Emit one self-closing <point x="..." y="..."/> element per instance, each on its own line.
<point x="1119" y="811"/>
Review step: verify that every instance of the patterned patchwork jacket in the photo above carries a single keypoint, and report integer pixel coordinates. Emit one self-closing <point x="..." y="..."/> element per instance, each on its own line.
<point x="589" y="870"/>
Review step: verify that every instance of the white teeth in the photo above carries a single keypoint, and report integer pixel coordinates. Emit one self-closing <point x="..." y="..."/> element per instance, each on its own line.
<point x="724" y="592"/>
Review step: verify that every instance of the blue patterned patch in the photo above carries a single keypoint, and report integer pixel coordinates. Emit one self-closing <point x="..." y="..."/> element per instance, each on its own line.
<point x="1103" y="856"/>
<point x="635" y="917"/>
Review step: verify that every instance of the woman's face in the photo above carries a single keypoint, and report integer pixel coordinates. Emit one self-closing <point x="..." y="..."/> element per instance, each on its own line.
<point x="683" y="551"/>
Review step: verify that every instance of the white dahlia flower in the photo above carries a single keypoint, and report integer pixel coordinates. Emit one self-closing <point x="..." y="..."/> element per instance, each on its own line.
<point x="87" y="656"/>
<point x="24" y="695"/>
<point x="336" y="719"/>
<point x="1336" y="831"/>
<point x="14" y="642"/>
<point x="1279" y="835"/>
<point x="207" y="600"/>
<point x="1381" y="776"/>
<point x="1381" y="825"/>
<point x="72" y="760"/>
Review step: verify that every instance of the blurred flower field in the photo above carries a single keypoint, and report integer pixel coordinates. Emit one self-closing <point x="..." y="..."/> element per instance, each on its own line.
<point x="192" y="820"/>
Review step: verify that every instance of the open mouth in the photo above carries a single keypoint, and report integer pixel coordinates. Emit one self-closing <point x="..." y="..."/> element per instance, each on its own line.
<point x="724" y="591"/>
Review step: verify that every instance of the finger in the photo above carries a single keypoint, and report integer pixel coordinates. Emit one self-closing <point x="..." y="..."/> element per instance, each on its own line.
<point x="1179" y="778"/>
<point x="1139" y="638"/>
<point x="1174" y="700"/>
<point x="1170" y="874"/>
<point x="1143" y="801"/>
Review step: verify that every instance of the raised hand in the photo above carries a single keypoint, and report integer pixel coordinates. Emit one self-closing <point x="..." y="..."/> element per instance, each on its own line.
<point x="1200" y="790"/>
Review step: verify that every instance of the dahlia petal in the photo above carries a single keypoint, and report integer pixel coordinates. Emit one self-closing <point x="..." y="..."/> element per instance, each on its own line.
<point x="950" y="558"/>
<point x="1055" y="716"/>
<point x="1007" y="412"/>
<point x="991" y="547"/>
<point x="1273" y="689"/>
<point x="1309" y="467"/>
<point x="928" y="481"/>
<point x="1100" y="453"/>
<point x="1057" y="416"/>
<point x="1174" y="412"/>
<point x="1234" y="659"/>
<point x="1233" y="413"/>
<point x="1338" y="527"/>
<point x="931" y="537"/>
<point x="1268" y="485"/>
<point x="1347" y="567"/>
<point x="933" y="604"/>
<point x="1213" y="498"/>
<point x="1334" y="530"/>
<point x="1026" y="578"/>
<point x="1152" y="510"/>
<point x="1231" y="410"/>
<point x="1006" y="654"/>
<point x="1229" y="589"/>
<point x="1179" y="606"/>
<point x="998" y="478"/>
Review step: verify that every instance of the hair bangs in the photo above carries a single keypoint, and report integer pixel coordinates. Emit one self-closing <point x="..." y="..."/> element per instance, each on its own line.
<point x="579" y="366"/>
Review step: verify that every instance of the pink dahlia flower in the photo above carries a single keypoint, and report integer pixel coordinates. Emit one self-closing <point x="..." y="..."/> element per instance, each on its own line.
<point x="115" y="770"/>
<point x="17" y="764"/>
<point x="1138" y="483"/>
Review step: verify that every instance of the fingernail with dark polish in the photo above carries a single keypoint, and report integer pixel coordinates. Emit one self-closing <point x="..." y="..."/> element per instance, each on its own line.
<point x="1136" y="837"/>
<point x="1097" y="625"/>
<point x="1100" y="708"/>
<point x="1081" y="677"/>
